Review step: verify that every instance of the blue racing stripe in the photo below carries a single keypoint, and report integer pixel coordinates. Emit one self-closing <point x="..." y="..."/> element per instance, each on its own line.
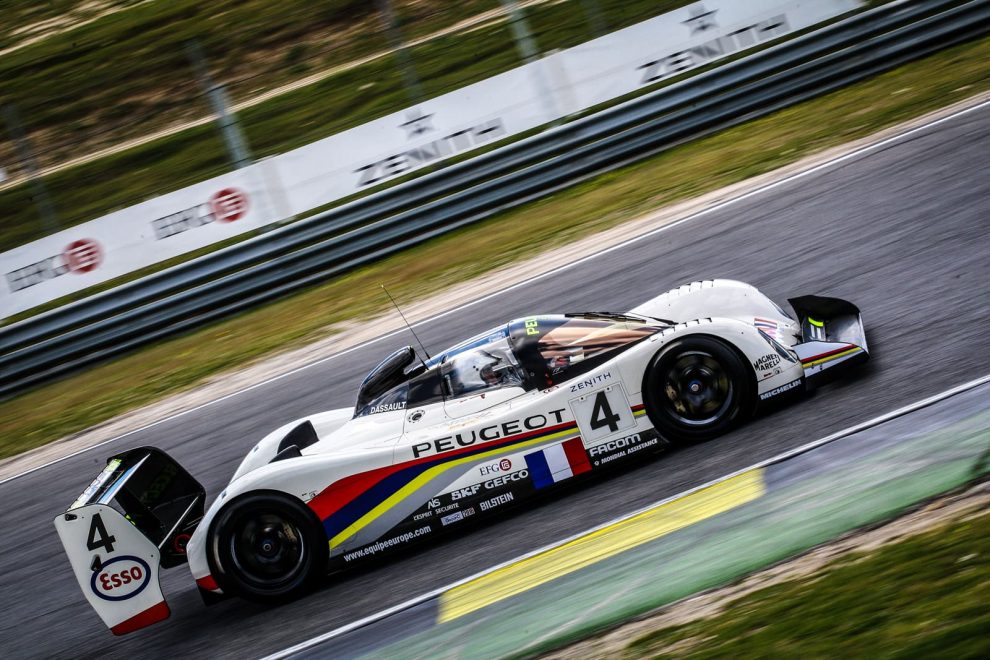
<point x="366" y="501"/>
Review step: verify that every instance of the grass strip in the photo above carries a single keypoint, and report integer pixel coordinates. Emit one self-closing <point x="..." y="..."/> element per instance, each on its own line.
<point x="927" y="596"/>
<point x="102" y="392"/>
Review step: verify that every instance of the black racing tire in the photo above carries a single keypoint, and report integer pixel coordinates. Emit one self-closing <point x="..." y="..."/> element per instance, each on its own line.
<point x="267" y="547"/>
<point x="697" y="388"/>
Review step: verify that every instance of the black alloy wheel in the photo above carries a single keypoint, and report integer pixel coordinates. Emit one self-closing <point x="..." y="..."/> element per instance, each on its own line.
<point x="696" y="389"/>
<point x="267" y="547"/>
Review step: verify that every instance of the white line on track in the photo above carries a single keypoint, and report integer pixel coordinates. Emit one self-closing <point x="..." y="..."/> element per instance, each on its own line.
<point x="412" y="602"/>
<point x="711" y="209"/>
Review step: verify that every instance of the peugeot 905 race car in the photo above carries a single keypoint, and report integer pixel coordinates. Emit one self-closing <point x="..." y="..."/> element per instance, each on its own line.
<point x="432" y="443"/>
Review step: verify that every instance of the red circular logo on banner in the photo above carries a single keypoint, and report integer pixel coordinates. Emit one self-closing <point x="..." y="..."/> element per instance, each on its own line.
<point x="229" y="204"/>
<point x="83" y="255"/>
<point x="505" y="465"/>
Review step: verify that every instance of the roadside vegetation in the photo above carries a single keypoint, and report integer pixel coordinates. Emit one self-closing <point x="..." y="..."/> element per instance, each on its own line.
<point x="128" y="75"/>
<point x="924" y="597"/>
<point x="105" y="391"/>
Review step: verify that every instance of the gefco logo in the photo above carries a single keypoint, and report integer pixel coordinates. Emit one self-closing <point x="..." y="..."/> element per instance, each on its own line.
<point x="227" y="205"/>
<point x="121" y="578"/>
<point x="78" y="257"/>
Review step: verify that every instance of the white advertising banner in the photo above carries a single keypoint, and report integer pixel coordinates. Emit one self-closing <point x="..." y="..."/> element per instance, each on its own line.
<point x="357" y="159"/>
<point x="537" y="93"/>
<point x="388" y="147"/>
<point x="664" y="46"/>
<point x="133" y="238"/>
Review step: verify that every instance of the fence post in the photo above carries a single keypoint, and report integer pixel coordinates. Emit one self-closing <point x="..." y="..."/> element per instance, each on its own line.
<point x="593" y="14"/>
<point x="25" y="151"/>
<point x="529" y="52"/>
<point x="411" y="81"/>
<point x="229" y="128"/>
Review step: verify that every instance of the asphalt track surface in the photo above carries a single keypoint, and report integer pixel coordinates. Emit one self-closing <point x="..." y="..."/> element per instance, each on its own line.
<point x="901" y="230"/>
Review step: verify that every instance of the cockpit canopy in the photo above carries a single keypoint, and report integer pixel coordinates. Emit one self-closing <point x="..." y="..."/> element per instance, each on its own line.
<point x="490" y="365"/>
<point x="529" y="353"/>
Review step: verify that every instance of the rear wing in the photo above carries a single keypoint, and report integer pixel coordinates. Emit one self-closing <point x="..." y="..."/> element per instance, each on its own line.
<point x="135" y="518"/>
<point x="832" y="334"/>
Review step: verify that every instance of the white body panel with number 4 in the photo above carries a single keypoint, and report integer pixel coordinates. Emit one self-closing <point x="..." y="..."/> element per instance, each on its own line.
<point x="602" y="413"/>
<point x="116" y="566"/>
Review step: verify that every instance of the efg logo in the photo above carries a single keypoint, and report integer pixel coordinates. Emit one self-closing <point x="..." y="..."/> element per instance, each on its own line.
<point x="81" y="256"/>
<point x="227" y="205"/>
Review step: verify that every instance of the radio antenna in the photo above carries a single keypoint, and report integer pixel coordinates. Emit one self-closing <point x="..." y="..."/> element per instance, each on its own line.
<point x="408" y="325"/>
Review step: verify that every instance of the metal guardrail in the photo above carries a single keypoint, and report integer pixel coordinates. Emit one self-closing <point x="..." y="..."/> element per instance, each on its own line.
<point x="328" y="244"/>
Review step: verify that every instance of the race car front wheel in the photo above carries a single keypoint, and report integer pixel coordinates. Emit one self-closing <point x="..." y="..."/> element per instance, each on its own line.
<point x="696" y="388"/>
<point x="267" y="547"/>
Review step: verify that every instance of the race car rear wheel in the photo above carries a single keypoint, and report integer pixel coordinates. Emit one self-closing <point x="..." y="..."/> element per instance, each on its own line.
<point x="267" y="547"/>
<point x="696" y="388"/>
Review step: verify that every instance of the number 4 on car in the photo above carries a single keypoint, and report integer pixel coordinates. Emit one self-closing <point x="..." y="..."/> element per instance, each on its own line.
<point x="430" y="443"/>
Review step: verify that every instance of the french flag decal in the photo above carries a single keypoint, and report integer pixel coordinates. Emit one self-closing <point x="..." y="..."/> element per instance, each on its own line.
<point x="557" y="462"/>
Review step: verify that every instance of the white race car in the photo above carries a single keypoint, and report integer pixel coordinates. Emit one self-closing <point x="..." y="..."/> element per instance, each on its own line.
<point x="435" y="442"/>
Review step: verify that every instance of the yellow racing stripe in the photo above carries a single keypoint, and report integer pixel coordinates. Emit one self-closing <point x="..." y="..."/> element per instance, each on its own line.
<point x="536" y="570"/>
<point x="430" y="474"/>
<point x="854" y="349"/>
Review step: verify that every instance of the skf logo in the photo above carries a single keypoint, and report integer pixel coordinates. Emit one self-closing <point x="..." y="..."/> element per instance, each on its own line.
<point x="121" y="578"/>
<point x="79" y="257"/>
<point x="227" y="205"/>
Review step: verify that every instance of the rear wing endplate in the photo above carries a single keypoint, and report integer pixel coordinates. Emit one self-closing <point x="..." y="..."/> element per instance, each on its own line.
<point x="132" y="520"/>
<point x="832" y="335"/>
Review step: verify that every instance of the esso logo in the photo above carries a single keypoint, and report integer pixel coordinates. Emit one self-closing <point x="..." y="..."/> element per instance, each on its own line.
<point x="83" y="255"/>
<point x="229" y="204"/>
<point x="505" y="465"/>
<point x="121" y="578"/>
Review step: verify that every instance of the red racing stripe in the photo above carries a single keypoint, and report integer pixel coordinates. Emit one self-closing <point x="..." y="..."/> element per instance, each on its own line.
<point x="827" y="353"/>
<point x="208" y="583"/>
<point x="153" y="614"/>
<point x="340" y="493"/>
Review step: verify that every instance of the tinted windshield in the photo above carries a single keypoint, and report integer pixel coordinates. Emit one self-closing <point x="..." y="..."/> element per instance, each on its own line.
<point x="568" y="344"/>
